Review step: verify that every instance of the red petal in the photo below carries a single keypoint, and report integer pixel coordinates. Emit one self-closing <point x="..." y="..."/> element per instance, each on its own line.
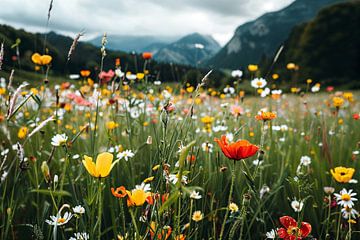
<point x="282" y="232"/>
<point x="287" y="221"/>
<point x="305" y="229"/>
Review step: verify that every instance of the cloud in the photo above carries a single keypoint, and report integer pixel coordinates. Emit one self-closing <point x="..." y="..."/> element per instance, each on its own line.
<point x="137" y="17"/>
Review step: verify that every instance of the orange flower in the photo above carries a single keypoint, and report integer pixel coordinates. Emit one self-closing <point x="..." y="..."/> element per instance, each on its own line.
<point x="147" y="55"/>
<point x="119" y="192"/>
<point x="236" y="151"/>
<point x="163" y="233"/>
<point x="265" y="116"/>
<point x="85" y="73"/>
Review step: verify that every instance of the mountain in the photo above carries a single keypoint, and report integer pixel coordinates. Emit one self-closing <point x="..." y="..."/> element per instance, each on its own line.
<point x="264" y="35"/>
<point x="192" y="49"/>
<point x="135" y="43"/>
<point x="85" y="56"/>
<point x="327" y="48"/>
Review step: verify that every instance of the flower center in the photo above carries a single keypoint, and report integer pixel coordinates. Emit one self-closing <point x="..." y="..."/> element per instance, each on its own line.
<point x="259" y="84"/>
<point x="61" y="220"/>
<point x="293" y="231"/>
<point x="345" y="197"/>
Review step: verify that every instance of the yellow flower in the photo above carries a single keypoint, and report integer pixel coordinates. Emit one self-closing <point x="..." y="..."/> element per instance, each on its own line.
<point x="149" y="179"/>
<point x="41" y="59"/>
<point x="233" y="207"/>
<point x="291" y="66"/>
<point x="22" y="132"/>
<point x="34" y="91"/>
<point x="2" y="91"/>
<point x="103" y="164"/>
<point x="253" y="67"/>
<point x="156" y="167"/>
<point x="275" y="76"/>
<point x="190" y="89"/>
<point x="197" y="216"/>
<point x="207" y="120"/>
<point x="342" y="174"/>
<point x="140" y="76"/>
<point x="137" y="197"/>
<point x="349" y="96"/>
<point x="338" y="101"/>
<point x="295" y="90"/>
<point x="308" y="81"/>
<point x="46" y="59"/>
<point x="111" y="125"/>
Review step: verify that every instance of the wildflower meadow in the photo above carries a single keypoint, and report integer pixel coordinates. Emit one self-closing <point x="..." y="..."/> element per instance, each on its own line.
<point x="116" y="154"/>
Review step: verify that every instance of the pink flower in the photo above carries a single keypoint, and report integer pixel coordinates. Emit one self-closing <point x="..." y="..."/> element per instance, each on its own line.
<point x="236" y="110"/>
<point x="106" y="76"/>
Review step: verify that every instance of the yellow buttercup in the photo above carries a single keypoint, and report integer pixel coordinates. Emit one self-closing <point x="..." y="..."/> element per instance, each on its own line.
<point x="103" y="166"/>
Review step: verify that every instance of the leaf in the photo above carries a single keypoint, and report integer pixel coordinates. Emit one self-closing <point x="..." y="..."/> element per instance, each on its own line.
<point x="183" y="154"/>
<point x="172" y="199"/>
<point x="54" y="193"/>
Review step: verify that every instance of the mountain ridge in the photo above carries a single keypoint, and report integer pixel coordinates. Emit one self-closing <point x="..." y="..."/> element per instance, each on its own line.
<point x="262" y="36"/>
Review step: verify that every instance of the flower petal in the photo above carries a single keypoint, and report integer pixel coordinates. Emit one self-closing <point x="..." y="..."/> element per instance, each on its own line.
<point x="305" y="229"/>
<point x="103" y="164"/>
<point x="89" y="166"/>
<point x="287" y="221"/>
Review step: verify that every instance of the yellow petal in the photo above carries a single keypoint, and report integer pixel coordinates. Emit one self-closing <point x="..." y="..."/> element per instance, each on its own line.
<point x="90" y="166"/>
<point x="45" y="59"/>
<point x="103" y="164"/>
<point x="36" y="58"/>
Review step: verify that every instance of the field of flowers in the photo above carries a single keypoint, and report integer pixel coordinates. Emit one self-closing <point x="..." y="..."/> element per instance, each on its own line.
<point x="120" y="157"/>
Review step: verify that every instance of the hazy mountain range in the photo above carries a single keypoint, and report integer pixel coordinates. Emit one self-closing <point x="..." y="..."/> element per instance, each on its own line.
<point x="191" y="49"/>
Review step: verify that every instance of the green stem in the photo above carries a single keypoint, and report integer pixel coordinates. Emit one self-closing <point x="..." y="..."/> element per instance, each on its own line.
<point x="338" y="226"/>
<point x="134" y="223"/>
<point x="99" y="209"/>
<point x="229" y="201"/>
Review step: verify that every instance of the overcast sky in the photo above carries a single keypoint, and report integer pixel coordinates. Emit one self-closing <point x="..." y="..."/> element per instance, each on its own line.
<point x="137" y="17"/>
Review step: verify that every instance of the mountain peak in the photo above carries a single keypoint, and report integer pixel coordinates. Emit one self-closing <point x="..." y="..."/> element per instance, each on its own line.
<point x="263" y="35"/>
<point x="191" y="49"/>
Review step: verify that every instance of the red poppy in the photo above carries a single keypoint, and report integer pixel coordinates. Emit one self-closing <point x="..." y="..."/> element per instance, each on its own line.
<point x="236" y="151"/>
<point x="291" y="230"/>
<point x="356" y="116"/>
<point x="147" y="55"/>
<point x="330" y="89"/>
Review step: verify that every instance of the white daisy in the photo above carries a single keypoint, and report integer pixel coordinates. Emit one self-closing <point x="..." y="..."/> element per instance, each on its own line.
<point x="59" y="140"/>
<point x="271" y="234"/>
<point x="346" y="198"/>
<point x="349" y="213"/>
<point x="126" y="155"/>
<point x="195" y="195"/>
<point x="265" y="92"/>
<point x="173" y="178"/>
<point x="258" y="83"/>
<point x="297" y="205"/>
<point x="236" y="73"/>
<point x="79" y="209"/>
<point x="80" y="236"/>
<point x="59" y="220"/>
<point x="305" y="160"/>
<point x="207" y="147"/>
<point x="144" y="186"/>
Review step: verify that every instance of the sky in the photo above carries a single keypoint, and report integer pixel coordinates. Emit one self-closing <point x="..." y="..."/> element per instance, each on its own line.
<point x="218" y="18"/>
